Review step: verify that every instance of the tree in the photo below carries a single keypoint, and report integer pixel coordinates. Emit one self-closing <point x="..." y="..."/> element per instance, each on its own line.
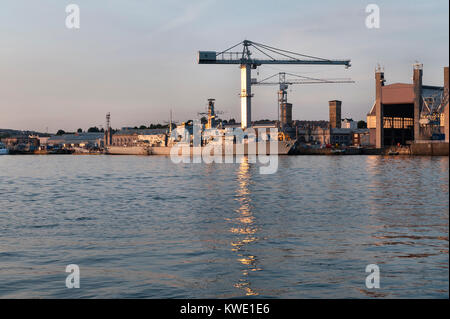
<point x="142" y="127"/>
<point x="232" y="121"/>
<point x="93" y="130"/>
<point x="60" y="132"/>
<point x="79" y="130"/>
<point x="362" y="124"/>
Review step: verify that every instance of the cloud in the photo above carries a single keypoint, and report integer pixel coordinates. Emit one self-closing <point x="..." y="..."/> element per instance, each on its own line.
<point x="191" y="13"/>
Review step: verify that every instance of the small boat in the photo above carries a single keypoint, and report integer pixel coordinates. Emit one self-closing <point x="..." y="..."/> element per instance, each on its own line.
<point x="60" y="151"/>
<point x="3" y="149"/>
<point x="338" y="152"/>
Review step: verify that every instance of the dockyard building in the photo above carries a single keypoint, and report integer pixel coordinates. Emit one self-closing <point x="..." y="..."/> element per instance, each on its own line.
<point x="404" y="113"/>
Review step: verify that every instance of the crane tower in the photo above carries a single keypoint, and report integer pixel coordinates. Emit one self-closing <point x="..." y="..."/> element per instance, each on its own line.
<point x="247" y="63"/>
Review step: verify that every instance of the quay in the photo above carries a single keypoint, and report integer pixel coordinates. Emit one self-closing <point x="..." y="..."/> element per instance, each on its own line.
<point x="405" y="119"/>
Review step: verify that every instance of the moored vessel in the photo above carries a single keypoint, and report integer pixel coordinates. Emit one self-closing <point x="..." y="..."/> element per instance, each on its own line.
<point x="3" y="149"/>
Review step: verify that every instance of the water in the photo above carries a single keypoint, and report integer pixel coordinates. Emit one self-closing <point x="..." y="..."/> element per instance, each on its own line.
<point x="143" y="227"/>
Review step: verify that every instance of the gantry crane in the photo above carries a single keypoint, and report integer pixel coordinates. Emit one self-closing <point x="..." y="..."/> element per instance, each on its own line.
<point x="247" y="63"/>
<point x="284" y="85"/>
<point x="433" y="107"/>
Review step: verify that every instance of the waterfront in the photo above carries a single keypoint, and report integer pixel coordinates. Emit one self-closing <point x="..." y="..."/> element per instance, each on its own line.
<point x="143" y="227"/>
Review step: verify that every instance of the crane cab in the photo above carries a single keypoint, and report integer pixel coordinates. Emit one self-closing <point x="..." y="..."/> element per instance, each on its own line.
<point x="206" y="57"/>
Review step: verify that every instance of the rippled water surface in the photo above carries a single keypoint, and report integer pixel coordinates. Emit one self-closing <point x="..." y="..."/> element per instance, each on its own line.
<point x="143" y="227"/>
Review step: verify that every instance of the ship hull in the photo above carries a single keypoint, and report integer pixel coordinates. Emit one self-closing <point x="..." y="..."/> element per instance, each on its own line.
<point x="263" y="148"/>
<point x="283" y="148"/>
<point x="126" y="150"/>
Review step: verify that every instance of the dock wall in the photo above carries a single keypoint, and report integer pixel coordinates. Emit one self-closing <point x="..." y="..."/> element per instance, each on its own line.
<point x="430" y="148"/>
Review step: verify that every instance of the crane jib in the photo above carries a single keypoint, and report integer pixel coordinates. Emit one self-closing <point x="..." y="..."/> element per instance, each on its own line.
<point x="209" y="57"/>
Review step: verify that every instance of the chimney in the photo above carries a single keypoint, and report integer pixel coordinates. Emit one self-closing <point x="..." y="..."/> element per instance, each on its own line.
<point x="379" y="83"/>
<point x="417" y="82"/>
<point x="446" y="107"/>
<point x="335" y="114"/>
<point x="446" y="79"/>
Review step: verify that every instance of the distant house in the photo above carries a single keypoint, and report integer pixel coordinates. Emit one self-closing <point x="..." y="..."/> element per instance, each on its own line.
<point x="77" y="140"/>
<point x="349" y="123"/>
<point x="17" y="140"/>
<point x="21" y="143"/>
<point x="361" y="137"/>
<point x="341" y="136"/>
<point x="129" y="136"/>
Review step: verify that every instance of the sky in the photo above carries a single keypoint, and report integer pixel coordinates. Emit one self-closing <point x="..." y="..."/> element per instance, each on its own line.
<point x="137" y="58"/>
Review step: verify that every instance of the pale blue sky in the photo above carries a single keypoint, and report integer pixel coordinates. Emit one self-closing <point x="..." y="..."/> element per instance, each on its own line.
<point x="137" y="58"/>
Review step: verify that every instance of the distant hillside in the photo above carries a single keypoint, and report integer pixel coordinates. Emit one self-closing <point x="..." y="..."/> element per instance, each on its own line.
<point x="9" y="132"/>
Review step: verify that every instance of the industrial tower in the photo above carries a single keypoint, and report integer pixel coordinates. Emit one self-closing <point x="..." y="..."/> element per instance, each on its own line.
<point x="211" y="114"/>
<point x="108" y="131"/>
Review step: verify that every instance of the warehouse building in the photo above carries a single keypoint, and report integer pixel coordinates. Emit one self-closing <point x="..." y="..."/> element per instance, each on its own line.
<point x="404" y="113"/>
<point x="76" y="140"/>
<point x="132" y="137"/>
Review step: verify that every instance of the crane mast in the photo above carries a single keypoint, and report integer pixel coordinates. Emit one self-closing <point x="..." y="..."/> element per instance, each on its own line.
<point x="247" y="63"/>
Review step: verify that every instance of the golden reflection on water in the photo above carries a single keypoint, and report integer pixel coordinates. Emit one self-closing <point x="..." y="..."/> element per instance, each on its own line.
<point x="245" y="230"/>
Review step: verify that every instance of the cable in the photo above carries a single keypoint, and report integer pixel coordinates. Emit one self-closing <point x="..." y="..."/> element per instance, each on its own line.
<point x="268" y="78"/>
<point x="282" y="54"/>
<point x="263" y="53"/>
<point x="290" y="52"/>
<point x="217" y="54"/>
<point x="310" y="78"/>
<point x="316" y="80"/>
<point x="284" y="70"/>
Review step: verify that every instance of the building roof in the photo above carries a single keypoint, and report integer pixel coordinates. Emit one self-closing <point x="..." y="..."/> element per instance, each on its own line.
<point x="129" y="131"/>
<point x="264" y="124"/>
<point x="75" y="138"/>
<point x="397" y="93"/>
<point x="341" y="130"/>
<point x="403" y="93"/>
<point x="432" y="88"/>
<point x="361" y="130"/>
<point x="225" y="125"/>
